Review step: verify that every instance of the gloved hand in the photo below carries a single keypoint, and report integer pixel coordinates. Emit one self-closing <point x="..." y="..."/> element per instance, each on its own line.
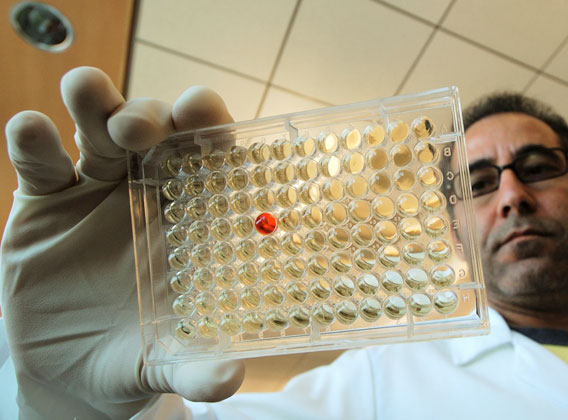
<point x="67" y="268"/>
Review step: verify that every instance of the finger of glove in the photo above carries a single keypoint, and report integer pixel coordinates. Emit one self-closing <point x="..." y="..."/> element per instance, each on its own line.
<point x="35" y="150"/>
<point x="141" y="124"/>
<point x="199" y="381"/>
<point x="91" y="97"/>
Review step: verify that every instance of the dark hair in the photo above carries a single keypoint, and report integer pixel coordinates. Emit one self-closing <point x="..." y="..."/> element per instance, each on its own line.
<point x="501" y="102"/>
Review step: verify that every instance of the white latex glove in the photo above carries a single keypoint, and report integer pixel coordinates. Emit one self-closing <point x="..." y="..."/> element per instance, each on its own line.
<point x="67" y="267"/>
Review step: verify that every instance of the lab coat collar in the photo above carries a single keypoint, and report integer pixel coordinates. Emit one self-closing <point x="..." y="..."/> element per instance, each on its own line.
<point x="466" y="350"/>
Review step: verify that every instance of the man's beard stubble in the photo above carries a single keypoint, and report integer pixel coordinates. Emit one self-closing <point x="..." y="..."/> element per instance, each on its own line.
<point x="537" y="285"/>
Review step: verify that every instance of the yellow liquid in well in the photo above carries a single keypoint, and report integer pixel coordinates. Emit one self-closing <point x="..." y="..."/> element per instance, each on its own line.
<point x="194" y="185"/>
<point x="171" y="165"/>
<point x="286" y="196"/>
<point x="228" y="300"/>
<point x="386" y="231"/>
<point x="230" y="324"/>
<point x="271" y="270"/>
<point x="433" y="201"/>
<point x="243" y="226"/>
<point x="201" y="255"/>
<point x="374" y="135"/>
<point x="327" y="143"/>
<point x="353" y="163"/>
<point x="445" y="302"/>
<point x="240" y="202"/>
<point x="281" y="149"/>
<point x="218" y="205"/>
<point x="318" y="265"/>
<point x="276" y="319"/>
<point x="413" y="253"/>
<point x="362" y="234"/>
<point x="403" y="179"/>
<point x="389" y="256"/>
<point x="203" y="279"/>
<point x="258" y="152"/>
<point x="176" y="235"/>
<point x="268" y="247"/>
<point x="307" y="169"/>
<point x="299" y="316"/>
<point x="392" y="281"/>
<point x="185" y="330"/>
<point x="430" y="177"/>
<point x="191" y="163"/>
<point x="253" y="322"/>
<point x="377" y="159"/>
<point x="410" y="228"/>
<point x="246" y="250"/>
<point x="394" y="307"/>
<point x="368" y="284"/>
<point x="292" y="243"/>
<point x="315" y="241"/>
<point x="297" y="292"/>
<point x="407" y="204"/>
<point x="183" y="306"/>
<point x="420" y="304"/>
<point x="439" y="250"/>
<point x="383" y="207"/>
<point x="236" y="156"/>
<point x="401" y="155"/>
<point x="416" y="279"/>
<point x="442" y="276"/>
<point x="426" y="152"/>
<point x="172" y="189"/>
<point x="323" y="314"/>
<point x="359" y="210"/>
<point x="250" y="298"/>
<point x="181" y="282"/>
<point x="205" y="303"/>
<point x="320" y="289"/>
<point x="351" y="139"/>
<point x="174" y="212"/>
<point x="284" y="173"/>
<point x="226" y="276"/>
<point x="335" y="213"/>
<point x="344" y="287"/>
<point x="423" y="127"/>
<point x="274" y="295"/>
<point x="312" y="216"/>
<point x="356" y="186"/>
<point x="346" y="312"/>
<point x="294" y="267"/>
<point x="238" y="179"/>
<point x="206" y="327"/>
<point x="223" y="252"/>
<point x="289" y="220"/>
<point x="370" y="309"/>
<point x="398" y="131"/>
<point x="435" y="226"/>
<point x="380" y="183"/>
<point x="221" y="229"/>
<point x="214" y="161"/>
<point x="304" y="146"/>
<point x="263" y="199"/>
<point x="216" y="182"/>
<point x="333" y="190"/>
<point x="196" y="208"/>
<point x="338" y="237"/>
<point x="310" y="193"/>
<point x="261" y="176"/>
<point x="365" y="259"/>
<point x="341" y="262"/>
<point x="330" y="166"/>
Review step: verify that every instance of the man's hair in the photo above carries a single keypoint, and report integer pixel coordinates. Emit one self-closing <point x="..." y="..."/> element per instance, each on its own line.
<point x="502" y="102"/>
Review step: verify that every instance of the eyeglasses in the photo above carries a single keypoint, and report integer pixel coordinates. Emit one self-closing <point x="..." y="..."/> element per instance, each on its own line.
<point x="537" y="164"/>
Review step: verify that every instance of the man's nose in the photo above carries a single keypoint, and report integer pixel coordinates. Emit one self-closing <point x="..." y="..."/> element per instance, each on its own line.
<point x="514" y="197"/>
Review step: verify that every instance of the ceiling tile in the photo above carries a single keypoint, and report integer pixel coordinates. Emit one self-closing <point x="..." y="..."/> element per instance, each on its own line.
<point x="245" y="35"/>
<point x="529" y="31"/>
<point x="352" y="51"/>
<point x="449" y="61"/>
<point x="279" y="101"/>
<point x="551" y="92"/>
<point x="164" y="76"/>
<point x="559" y="65"/>
<point x="431" y="10"/>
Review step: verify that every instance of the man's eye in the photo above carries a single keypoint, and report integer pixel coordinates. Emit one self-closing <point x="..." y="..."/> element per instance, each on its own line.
<point x="482" y="183"/>
<point x="537" y="167"/>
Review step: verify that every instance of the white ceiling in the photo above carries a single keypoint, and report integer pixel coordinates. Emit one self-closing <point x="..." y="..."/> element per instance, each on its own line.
<point x="278" y="56"/>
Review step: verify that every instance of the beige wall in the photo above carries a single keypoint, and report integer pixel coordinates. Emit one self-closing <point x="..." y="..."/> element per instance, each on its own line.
<point x="30" y="77"/>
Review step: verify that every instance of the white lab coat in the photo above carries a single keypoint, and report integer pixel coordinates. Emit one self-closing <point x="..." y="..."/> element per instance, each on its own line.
<point x="501" y="376"/>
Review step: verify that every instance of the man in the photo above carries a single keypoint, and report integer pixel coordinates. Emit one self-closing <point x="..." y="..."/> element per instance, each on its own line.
<point x="69" y="299"/>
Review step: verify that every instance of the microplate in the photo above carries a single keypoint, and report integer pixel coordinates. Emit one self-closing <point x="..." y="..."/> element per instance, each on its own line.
<point x="319" y="230"/>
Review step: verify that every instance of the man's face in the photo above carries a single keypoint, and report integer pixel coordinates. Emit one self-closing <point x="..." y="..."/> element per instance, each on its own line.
<point x="522" y="228"/>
